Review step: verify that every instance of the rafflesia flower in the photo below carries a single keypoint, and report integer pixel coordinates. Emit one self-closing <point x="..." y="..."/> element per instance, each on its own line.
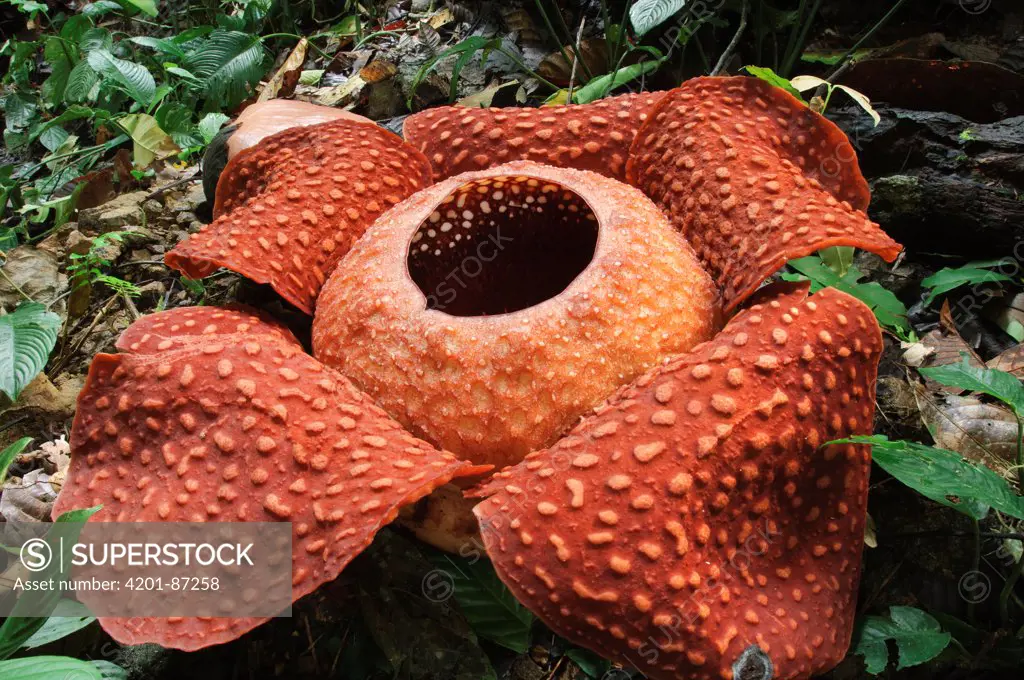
<point x="548" y="292"/>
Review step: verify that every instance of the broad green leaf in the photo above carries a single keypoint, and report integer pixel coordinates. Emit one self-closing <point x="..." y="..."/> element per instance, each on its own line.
<point x="147" y="6"/>
<point x="944" y="476"/>
<point x="26" y="337"/>
<point x="98" y="9"/>
<point x="69" y="616"/>
<point x="311" y="76"/>
<point x="95" y="39"/>
<point x="838" y="258"/>
<point x="134" y="79"/>
<point x="991" y="381"/>
<point x="160" y="45"/>
<point x="110" y="671"/>
<point x="18" y="628"/>
<point x="918" y="637"/>
<point x="229" y="64"/>
<point x="150" y="142"/>
<point x="20" y="111"/>
<point x="8" y="455"/>
<point x="602" y="85"/>
<point x="489" y="607"/>
<point x="49" y="668"/>
<point x="973" y="273"/>
<point x="647" y="14"/>
<point x="210" y="125"/>
<point x="81" y="84"/>
<point x="770" y="76"/>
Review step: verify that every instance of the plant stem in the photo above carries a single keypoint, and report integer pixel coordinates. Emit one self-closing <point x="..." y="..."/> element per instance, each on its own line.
<point x="791" y="43"/>
<point x="1020" y="453"/>
<point x="727" y="55"/>
<point x="867" y="36"/>
<point x="792" y="56"/>
<point x="551" y="31"/>
<point x="13" y="284"/>
<point x="576" y="45"/>
<point x="975" y="564"/>
<point x="1007" y="591"/>
<point x="527" y="69"/>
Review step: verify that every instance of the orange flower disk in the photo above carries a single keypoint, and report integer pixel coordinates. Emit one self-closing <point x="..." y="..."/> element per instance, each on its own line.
<point x="490" y="311"/>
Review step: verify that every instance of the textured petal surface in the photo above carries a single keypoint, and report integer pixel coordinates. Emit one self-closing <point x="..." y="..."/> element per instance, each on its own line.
<point x="290" y="207"/>
<point x="752" y="178"/>
<point x="263" y="119"/>
<point x="488" y="312"/>
<point x="184" y="326"/>
<point x="240" y="425"/>
<point x="592" y="136"/>
<point x="694" y="515"/>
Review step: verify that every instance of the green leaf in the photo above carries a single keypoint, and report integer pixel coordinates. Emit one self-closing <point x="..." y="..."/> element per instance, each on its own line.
<point x="8" y="455"/>
<point x="838" y="258"/>
<point x="160" y="45"/>
<point x="489" y="607"/>
<point x="602" y="85"/>
<point x="991" y="381"/>
<point x="81" y="83"/>
<point x="770" y="76"/>
<point x="647" y="14"/>
<point x="98" y="9"/>
<point x="134" y="79"/>
<point x="18" y="628"/>
<point x="27" y="336"/>
<point x="110" y="671"/>
<point x="890" y="312"/>
<point x="229" y="64"/>
<point x="49" y="668"/>
<point x="944" y="476"/>
<point x="147" y="6"/>
<point x="465" y="49"/>
<point x="973" y="273"/>
<point x="591" y="664"/>
<point x="918" y="637"/>
<point x="69" y="616"/>
<point x="150" y="142"/>
<point x="210" y="125"/>
<point x="95" y="39"/>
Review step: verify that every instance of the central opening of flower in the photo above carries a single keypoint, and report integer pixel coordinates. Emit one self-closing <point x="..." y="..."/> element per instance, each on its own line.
<point x="501" y="244"/>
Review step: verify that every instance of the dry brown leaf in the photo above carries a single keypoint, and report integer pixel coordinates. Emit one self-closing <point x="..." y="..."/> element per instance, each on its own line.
<point x="340" y="95"/>
<point x="282" y="84"/>
<point x="440" y="18"/>
<point x="484" y="97"/>
<point x="983" y="433"/>
<point x="593" y="53"/>
<point x="940" y="347"/>
<point x="378" y="70"/>
<point x="1011" y="361"/>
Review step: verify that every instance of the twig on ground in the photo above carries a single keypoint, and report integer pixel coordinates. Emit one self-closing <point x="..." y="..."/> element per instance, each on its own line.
<point x="723" y="61"/>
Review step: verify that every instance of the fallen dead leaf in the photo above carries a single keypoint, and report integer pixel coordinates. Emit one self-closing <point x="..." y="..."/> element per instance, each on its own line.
<point x="593" y="53"/>
<point x="981" y="432"/>
<point x="378" y="70"/>
<point x="283" y="82"/>
<point x="485" y="97"/>
<point x="1011" y="361"/>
